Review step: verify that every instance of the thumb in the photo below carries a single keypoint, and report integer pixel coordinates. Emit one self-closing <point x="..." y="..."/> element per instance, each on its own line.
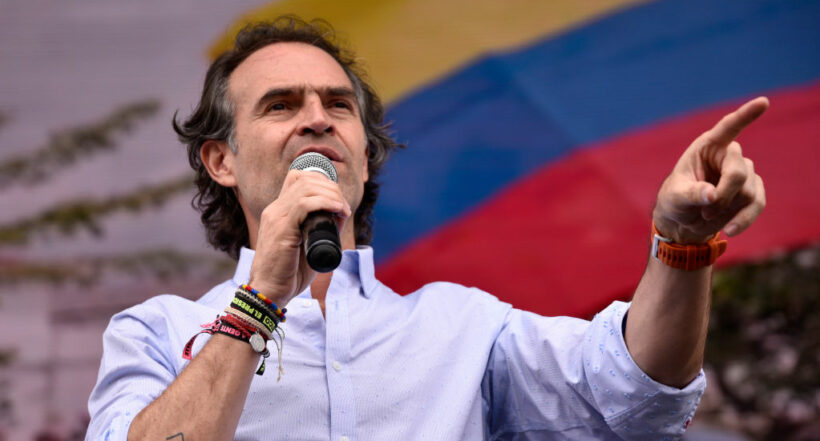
<point x="701" y="194"/>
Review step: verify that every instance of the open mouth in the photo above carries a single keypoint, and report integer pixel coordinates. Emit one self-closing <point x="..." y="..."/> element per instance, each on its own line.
<point x="329" y="152"/>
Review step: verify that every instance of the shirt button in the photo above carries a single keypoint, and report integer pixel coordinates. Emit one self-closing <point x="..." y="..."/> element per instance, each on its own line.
<point x="337" y="366"/>
<point x="344" y="438"/>
<point x="306" y="303"/>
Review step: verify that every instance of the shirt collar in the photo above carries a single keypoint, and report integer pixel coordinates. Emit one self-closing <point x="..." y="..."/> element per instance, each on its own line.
<point x="358" y="261"/>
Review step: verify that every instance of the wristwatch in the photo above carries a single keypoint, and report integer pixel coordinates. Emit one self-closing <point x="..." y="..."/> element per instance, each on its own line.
<point x="258" y="344"/>
<point x="686" y="257"/>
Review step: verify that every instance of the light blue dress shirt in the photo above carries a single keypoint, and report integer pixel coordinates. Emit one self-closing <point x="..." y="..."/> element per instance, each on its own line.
<point x="443" y="363"/>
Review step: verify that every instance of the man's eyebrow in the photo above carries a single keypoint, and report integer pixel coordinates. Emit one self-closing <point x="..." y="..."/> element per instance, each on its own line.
<point x="278" y="92"/>
<point x="282" y="92"/>
<point x="338" y="91"/>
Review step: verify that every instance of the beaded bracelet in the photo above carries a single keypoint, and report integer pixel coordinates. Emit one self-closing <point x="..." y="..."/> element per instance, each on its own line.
<point x="276" y="310"/>
<point x="261" y="314"/>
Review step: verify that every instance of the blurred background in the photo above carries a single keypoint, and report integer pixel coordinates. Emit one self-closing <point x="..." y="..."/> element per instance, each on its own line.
<point x="538" y="133"/>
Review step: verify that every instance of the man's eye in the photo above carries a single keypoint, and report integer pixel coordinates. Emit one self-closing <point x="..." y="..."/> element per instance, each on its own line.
<point x="277" y="106"/>
<point x="342" y="105"/>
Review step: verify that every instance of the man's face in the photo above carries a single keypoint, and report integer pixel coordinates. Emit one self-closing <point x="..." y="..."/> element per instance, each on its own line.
<point x="292" y="98"/>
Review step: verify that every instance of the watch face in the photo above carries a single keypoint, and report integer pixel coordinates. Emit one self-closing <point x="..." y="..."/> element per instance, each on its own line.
<point x="257" y="343"/>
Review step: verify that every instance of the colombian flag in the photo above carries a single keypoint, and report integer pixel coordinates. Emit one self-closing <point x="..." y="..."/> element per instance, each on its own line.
<point x="539" y="132"/>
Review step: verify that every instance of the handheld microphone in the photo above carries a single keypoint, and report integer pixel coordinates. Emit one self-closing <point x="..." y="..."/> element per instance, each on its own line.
<point x="320" y="234"/>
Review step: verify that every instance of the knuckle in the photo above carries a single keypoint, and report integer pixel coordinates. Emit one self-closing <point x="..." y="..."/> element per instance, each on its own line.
<point x="711" y="138"/>
<point x="292" y="177"/>
<point x="750" y="165"/>
<point x="305" y="201"/>
<point x="269" y="214"/>
<point x="737" y="176"/>
<point x="746" y="197"/>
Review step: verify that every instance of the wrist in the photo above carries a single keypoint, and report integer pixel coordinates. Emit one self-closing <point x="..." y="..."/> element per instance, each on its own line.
<point x="270" y="292"/>
<point x="689" y="257"/>
<point x="676" y="234"/>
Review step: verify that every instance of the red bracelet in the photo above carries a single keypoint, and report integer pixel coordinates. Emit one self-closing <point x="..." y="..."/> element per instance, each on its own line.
<point x="238" y="323"/>
<point x="235" y="328"/>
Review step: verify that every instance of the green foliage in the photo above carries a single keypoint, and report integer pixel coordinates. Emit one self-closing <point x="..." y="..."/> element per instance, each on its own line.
<point x="162" y="264"/>
<point x="67" y="146"/>
<point x="64" y="148"/>
<point x="68" y="217"/>
<point x="6" y="358"/>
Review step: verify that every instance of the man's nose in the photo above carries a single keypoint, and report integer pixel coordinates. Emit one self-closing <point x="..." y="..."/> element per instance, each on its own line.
<point x="315" y="119"/>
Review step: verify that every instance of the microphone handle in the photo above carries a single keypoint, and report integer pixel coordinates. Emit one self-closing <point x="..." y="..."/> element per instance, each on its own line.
<point x="320" y="236"/>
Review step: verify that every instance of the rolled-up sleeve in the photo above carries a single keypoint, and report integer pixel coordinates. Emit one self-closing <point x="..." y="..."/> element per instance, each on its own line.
<point x="565" y="379"/>
<point x="136" y="368"/>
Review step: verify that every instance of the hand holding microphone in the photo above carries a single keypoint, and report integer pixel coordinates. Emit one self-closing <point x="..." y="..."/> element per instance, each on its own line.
<point x="320" y="234"/>
<point x="298" y="234"/>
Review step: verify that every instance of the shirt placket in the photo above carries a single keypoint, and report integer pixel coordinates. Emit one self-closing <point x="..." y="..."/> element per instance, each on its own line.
<point x="337" y="359"/>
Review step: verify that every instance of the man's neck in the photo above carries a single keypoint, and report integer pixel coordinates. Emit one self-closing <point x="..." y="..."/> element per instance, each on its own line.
<point x="318" y="289"/>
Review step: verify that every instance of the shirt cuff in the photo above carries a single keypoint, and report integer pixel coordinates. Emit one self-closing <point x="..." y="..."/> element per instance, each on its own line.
<point x="114" y="430"/>
<point x="633" y="405"/>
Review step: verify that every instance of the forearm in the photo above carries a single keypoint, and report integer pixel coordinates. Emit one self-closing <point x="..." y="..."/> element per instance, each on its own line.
<point x="206" y="400"/>
<point x="667" y="323"/>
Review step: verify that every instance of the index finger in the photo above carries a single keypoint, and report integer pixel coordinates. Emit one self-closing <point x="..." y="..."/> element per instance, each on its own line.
<point x="727" y="129"/>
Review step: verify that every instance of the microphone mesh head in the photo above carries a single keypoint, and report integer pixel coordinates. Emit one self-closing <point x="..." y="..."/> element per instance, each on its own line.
<point x="312" y="161"/>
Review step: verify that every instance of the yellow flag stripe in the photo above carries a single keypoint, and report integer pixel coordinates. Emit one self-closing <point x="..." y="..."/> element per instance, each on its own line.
<point x="405" y="44"/>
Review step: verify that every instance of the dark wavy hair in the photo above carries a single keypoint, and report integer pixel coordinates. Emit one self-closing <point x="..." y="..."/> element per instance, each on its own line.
<point x="213" y="119"/>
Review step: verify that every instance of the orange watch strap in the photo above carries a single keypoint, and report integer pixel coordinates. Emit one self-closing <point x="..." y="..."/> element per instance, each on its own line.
<point x="686" y="257"/>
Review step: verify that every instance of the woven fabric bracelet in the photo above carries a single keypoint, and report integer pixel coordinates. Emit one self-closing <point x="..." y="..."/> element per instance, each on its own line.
<point x="234" y="327"/>
<point x="250" y="334"/>
<point x="277" y="332"/>
<point x="260" y="315"/>
<point x="208" y="328"/>
<point x="232" y="330"/>
<point x="260" y="306"/>
<point x="271" y="307"/>
<point x="252" y="308"/>
<point x="250" y="321"/>
<point x="248" y="297"/>
<point x="222" y="325"/>
<point x="280" y="312"/>
<point x="225" y="326"/>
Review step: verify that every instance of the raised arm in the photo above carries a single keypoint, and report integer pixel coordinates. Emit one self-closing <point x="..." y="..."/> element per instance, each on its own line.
<point x="713" y="187"/>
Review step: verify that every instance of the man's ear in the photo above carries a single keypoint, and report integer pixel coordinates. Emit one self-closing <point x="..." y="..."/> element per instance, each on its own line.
<point x="219" y="160"/>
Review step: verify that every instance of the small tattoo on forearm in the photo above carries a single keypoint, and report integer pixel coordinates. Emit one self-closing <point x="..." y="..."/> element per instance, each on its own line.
<point x="182" y="437"/>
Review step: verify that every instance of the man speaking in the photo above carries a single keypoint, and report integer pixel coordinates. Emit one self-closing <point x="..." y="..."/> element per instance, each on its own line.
<point x="292" y="353"/>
